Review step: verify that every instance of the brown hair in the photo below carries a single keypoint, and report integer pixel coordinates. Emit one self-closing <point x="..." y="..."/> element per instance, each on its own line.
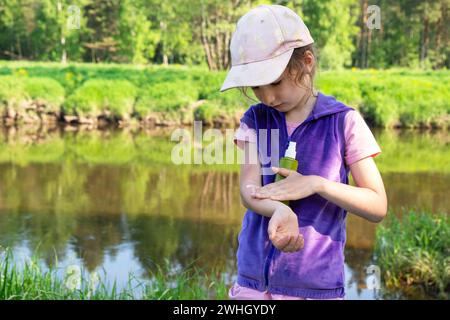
<point x="296" y="63"/>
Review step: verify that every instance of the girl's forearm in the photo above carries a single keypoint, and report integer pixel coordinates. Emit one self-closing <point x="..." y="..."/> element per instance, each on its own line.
<point x="363" y="202"/>
<point x="264" y="207"/>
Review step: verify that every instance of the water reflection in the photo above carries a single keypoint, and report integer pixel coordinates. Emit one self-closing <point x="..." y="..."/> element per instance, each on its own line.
<point x="112" y="200"/>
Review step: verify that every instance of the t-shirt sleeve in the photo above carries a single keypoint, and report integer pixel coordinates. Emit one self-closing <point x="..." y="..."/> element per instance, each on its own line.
<point x="244" y="133"/>
<point x="246" y="130"/>
<point x="359" y="140"/>
<point x="249" y="117"/>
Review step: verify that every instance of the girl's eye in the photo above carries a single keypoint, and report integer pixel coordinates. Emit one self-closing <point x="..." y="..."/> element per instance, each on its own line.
<point x="276" y="83"/>
<point x="273" y="84"/>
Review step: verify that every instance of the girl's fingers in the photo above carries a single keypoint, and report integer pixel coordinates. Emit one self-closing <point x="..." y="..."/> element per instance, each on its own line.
<point x="280" y="243"/>
<point x="289" y="245"/>
<point x="265" y="192"/>
<point x="296" y="244"/>
<point x="260" y="196"/>
<point x="284" y="172"/>
<point x="271" y="192"/>
<point x="279" y="197"/>
<point x="272" y="187"/>
<point x="293" y="245"/>
<point x="300" y="242"/>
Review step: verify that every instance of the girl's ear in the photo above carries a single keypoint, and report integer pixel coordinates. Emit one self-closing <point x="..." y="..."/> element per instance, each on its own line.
<point x="309" y="60"/>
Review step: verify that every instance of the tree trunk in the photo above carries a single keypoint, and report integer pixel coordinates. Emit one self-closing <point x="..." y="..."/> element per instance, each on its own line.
<point x="424" y="41"/>
<point x="163" y="50"/>
<point x="369" y="41"/>
<point x="363" y="36"/>
<point x="227" y="38"/>
<point x="445" y="35"/>
<point x="216" y="41"/>
<point x="205" y="43"/>
<point x="19" y="46"/>
<point x="64" y="52"/>
<point x="218" y="48"/>
<point x="63" y="38"/>
<point x="226" y="52"/>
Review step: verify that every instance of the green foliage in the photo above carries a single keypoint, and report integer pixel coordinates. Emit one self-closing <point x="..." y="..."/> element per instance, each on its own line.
<point x="17" y="89"/>
<point x="412" y="35"/>
<point x="397" y="97"/>
<point x="332" y="25"/>
<point x="31" y="281"/>
<point x="138" y="35"/>
<point x="416" y="251"/>
<point x="228" y="106"/>
<point x="11" y="90"/>
<point x="97" y="97"/>
<point x="198" y="32"/>
<point x="342" y="85"/>
<point x="166" y="97"/>
<point x="45" y="90"/>
<point x="392" y="98"/>
<point x="208" y="83"/>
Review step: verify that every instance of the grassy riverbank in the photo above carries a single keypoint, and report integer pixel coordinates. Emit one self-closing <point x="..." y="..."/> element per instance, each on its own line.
<point x="414" y="253"/>
<point x="85" y="93"/>
<point x="30" y="281"/>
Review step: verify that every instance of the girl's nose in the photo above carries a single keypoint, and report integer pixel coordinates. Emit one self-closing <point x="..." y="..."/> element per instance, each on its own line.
<point x="268" y="97"/>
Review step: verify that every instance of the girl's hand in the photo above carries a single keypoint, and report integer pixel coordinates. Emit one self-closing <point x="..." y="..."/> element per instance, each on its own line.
<point x="295" y="186"/>
<point x="283" y="229"/>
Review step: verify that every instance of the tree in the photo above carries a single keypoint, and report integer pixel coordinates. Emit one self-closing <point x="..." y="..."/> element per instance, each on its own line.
<point x="412" y="34"/>
<point x="103" y="28"/>
<point x="332" y="24"/>
<point x="13" y="27"/>
<point x="214" y="22"/>
<point x="138" y="40"/>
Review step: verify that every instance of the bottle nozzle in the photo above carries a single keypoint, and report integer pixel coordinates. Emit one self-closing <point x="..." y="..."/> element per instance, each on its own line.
<point x="291" y="151"/>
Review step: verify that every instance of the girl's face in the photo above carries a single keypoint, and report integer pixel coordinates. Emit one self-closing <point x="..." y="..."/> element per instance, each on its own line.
<point x="285" y="94"/>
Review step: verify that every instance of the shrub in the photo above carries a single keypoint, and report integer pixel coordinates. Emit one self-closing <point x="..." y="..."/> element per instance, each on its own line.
<point x="97" y="97"/>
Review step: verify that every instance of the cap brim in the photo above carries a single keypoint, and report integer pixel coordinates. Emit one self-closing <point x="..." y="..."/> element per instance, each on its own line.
<point x="257" y="73"/>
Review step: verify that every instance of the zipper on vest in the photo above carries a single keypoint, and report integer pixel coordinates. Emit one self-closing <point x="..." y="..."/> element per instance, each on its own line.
<point x="267" y="266"/>
<point x="308" y="119"/>
<point x="272" y="248"/>
<point x="293" y="132"/>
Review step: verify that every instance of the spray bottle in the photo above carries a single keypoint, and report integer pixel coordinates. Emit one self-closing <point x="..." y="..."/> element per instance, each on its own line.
<point x="288" y="162"/>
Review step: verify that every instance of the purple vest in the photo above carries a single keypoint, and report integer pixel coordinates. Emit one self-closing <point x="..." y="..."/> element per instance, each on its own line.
<point x="316" y="271"/>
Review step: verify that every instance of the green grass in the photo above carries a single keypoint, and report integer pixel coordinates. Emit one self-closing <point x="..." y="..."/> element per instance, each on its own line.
<point x="17" y="90"/>
<point x="30" y="281"/>
<point x="102" y="97"/>
<point x="393" y="98"/>
<point x="11" y="91"/>
<point x="226" y="108"/>
<point x="414" y="253"/>
<point x="47" y="91"/>
<point x="171" y="99"/>
<point x="386" y="98"/>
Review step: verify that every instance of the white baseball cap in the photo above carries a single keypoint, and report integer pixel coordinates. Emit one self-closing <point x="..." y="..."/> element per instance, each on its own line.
<point x="262" y="45"/>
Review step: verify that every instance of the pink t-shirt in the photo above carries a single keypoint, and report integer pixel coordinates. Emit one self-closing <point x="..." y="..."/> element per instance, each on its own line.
<point x="359" y="140"/>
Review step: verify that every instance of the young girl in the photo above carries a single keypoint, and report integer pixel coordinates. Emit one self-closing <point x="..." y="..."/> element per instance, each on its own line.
<point x="296" y="251"/>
